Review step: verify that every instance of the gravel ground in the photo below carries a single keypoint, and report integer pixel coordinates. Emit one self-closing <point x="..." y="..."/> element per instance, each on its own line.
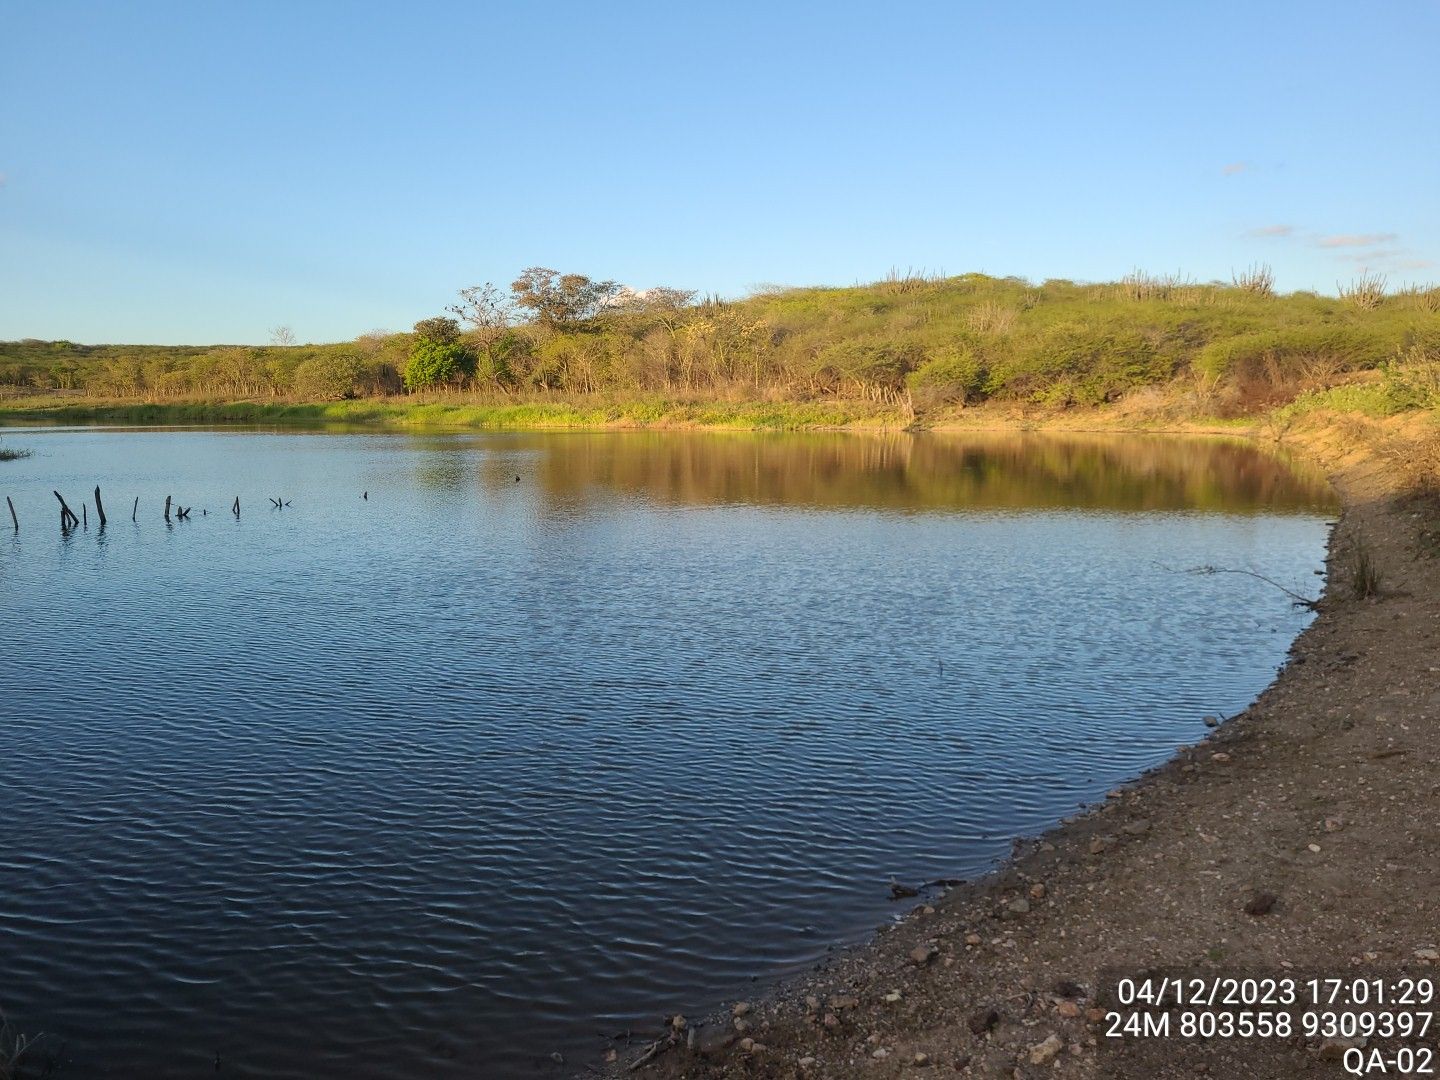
<point x="1301" y="838"/>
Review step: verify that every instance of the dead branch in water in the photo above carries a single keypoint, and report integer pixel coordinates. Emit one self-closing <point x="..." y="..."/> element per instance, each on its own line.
<point x="653" y="1052"/>
<point x="99" y="506"/>
<point x="68" y="520"/>
<point x="13" y="518"/>
<point x="1299" y="601"/>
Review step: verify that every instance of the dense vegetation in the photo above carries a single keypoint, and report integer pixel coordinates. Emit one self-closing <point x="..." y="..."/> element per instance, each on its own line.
<point x="916" y="343"/>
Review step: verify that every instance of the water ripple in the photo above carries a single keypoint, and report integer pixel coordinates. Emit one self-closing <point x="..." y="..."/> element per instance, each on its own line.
<point x="435" y="783"/>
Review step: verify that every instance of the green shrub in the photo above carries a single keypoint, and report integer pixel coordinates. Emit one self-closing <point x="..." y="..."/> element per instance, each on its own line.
<point x="1413" y="380"/>
<point x="1293" y="355"/>
<point x="1079" y="364"/>
<point x="437" y="363"/>
<point x="883" y="363"/>
<point x="327" y="377"/>
<point x="953" y="373"/>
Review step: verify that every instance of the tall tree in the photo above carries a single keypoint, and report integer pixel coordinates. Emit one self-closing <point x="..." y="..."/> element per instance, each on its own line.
<point x="561" y="301"/>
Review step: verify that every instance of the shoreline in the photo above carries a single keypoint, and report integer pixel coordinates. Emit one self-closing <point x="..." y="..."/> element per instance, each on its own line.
<point x="624" y="414"/>
<point x="1297" y="837"/>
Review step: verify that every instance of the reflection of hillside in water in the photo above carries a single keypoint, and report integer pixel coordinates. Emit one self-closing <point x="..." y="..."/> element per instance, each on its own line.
<point x="1010" y="471"/>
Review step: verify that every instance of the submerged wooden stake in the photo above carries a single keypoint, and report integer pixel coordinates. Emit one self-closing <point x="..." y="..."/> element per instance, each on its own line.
<point x="84" y="516"/>
<point x="13" y="518"/>
<point x="68" y="519"/>
<point x="167" y="507"/>
<point x="135" y="509"/>
<point x="99" y="506"/>
<point x="236" y="507"/>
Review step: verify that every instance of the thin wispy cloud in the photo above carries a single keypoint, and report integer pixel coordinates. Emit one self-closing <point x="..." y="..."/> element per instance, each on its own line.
<point x="1415" y="264"/>
<point x="1357" y="240"/>
<point x="1235" y="168"/>
<point x="1272" y="232"/>
<point x="1371" y="256"/>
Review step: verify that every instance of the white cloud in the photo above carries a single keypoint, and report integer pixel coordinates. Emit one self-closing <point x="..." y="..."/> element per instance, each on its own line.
<point x="1357" y="239"/>
<point x="1273" y="232"/>
<point x="1371" y="256"/>
<point x="1235" y="168"/>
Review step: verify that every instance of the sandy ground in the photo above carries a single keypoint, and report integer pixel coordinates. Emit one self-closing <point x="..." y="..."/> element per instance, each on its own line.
<point x="1301" y="839"/>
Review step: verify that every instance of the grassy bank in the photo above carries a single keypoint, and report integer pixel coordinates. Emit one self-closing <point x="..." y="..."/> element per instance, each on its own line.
<point x="459" y="412"/>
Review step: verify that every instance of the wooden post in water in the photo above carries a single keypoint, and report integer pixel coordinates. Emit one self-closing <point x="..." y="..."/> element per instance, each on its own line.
<point x="84" y="516"/>
<point x="236" y="508"/>
<point x="135" y="509"/>
<point x="99" y="506"/>
<point x="68" y="520"/>
<point x="13" y="518"/>
<point x="167" y="507"/>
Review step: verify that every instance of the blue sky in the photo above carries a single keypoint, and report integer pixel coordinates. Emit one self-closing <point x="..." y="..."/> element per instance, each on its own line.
<point x="202" y="172"/>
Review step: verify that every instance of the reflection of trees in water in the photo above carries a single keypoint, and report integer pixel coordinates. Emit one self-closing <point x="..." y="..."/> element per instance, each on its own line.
<point x="933" y="471"/>
<point x="446" y="471"/>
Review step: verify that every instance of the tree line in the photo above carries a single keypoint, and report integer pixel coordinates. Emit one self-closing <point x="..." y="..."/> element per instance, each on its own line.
<point x="926" y="339"/>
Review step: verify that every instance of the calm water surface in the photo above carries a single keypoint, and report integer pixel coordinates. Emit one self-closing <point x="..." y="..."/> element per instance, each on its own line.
<point x="441" y="781"/>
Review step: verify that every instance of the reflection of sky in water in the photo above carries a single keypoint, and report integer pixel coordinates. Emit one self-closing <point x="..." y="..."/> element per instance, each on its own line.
<point x="455" y="776"/>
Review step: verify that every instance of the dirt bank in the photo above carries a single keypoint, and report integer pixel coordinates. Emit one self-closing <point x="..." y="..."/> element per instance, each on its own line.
<point x="1305" y="832"/>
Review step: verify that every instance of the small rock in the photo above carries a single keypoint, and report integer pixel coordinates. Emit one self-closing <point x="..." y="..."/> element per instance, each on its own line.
<point x="844" y="1001"/>
<point x="611" y="1056"/>
<point x="902" y="892"/>
<point x="1427" y="954"/>
<point x="1261" y="904"/>
<point x="1042" y="1052"/>
<point x="741" y="1025"/>
<point x="1018" y="907"/>
<point x="1138" y="827"/>
<point x="880" y="1053"/>
<point x="923" y="954"/>
<point x="831" y="1021"/>
<point x="1220" y="757"/>
<point x="1094" y="1015"/>
<point x="983" y="1020"/>
<point x="746" y="1045"/>
<point x="1068" y="1009"/>
<point x="1333" y="824"/>
<point x="1101" y="844"/>
<point x="1212" y="721"/>
<point x="920" y="1060"/>
<point x="806" y="1062"/>
<point x="892" y="997"/>
<point x="713" y="1039"/>
<point x="1046" y="846"/>
<point x="740" y="1008"/>
<point x="1037" y="891"/>
<point x="677" y="1022"/>
<point x="972" y="939"/>
<point x="558" y="1058"/>
<point x="812" y="1003"/>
